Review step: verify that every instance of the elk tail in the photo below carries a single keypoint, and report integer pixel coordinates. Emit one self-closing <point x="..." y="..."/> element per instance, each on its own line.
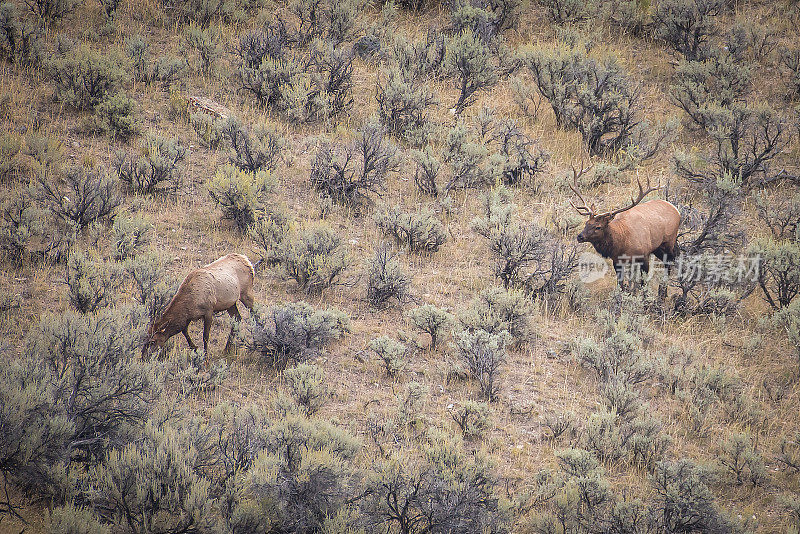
<point x="256" y="264"/>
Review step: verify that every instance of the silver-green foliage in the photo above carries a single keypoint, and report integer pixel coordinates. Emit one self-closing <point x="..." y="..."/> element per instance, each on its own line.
<point x="78" y="388"/>
<point x="130" y="234"/>
<point x="420" y="231"/>
<point x="154" y="169"/>
<point x="472" y="418"/>
<point x="153" y="484"/>
<point x="90" y="281"/>
<point x="306" y="384"/>
<point x="484" y="354"/>
<point x="470" y="62"/>
<point x="293" y="332"/>
<point x="432" y="320"/>
<point x="21" y="222"/>
<point x="391" y="352"/>
<point x="87" y="195"/>
<point x="305" y="475"/>
<point x="314" y="257"/>
<point x="83" y="77"/>
<point x="241" y="195"/>
<point x="445" y="485"/>
<point x="386" y="279"/>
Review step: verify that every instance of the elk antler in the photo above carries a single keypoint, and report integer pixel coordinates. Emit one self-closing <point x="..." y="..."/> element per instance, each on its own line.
<point x="584" y="209"/>
<point x="642" y="193"/>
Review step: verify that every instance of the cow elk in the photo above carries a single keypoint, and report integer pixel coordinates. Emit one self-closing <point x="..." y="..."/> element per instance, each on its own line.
<point x="630" y="234"/>
<point x="213" y="288"/>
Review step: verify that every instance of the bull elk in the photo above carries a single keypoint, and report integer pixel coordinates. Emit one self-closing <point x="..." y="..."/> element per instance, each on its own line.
<point x="212" y="288"/>
<point x="630" y="234"/>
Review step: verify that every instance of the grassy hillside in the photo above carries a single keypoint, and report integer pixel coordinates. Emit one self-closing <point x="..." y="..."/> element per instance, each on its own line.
<point x="392" y="164"/>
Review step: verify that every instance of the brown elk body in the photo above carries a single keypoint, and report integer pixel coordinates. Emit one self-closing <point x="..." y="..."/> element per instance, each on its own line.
<point x="631" y="234"/>
<point x="213" y="288"/>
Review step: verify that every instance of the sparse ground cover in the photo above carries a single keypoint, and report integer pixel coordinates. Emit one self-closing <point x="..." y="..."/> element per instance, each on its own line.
<point x="423" y="356"/>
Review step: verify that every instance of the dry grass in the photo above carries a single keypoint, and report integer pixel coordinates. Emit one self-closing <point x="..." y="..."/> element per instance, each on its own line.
<point x="538" y="379"/>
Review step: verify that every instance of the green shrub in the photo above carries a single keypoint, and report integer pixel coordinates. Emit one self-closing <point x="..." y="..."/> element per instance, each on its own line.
<point x="779" y="270"/>
<point x="314" y="257"/>
<point x="386" y="279"/>
<point x="740" y="458"/>
<point x="518" y="156"/>
<point x="10" y="146"/>
<point x="238" y="435"/>
<point x="21" y="223"/>
<point x="155" y="170"/>
<point x="305" y="475"/>
<point x="88" y="195"/>
<point x="747" y="41"/>
<point x="744" y="141"/>
<point x="683" y="501"/>
<point x="470" y="62"/>
<point x="84" y="77"/>
<point x="19" y="41"/>
<point x="620" y="356"/>
<point x="130" y="233"/>
<point x="559" y="424"/>
<point x="136" y="49"/>
<point x="240" y="194"/>
<point x="111" y="392"/>
<point x="484" y="354"/>
<point x="780" y="212"/>
<point x="72" y="519"/>
<point x="569" y="11"/>
<point x="256" y="150"/>
<point x="717" y="81"/>
<point x="205" y="43"/>
<point x="270" y="232"/>
<point x="497" y="310"/>
<point x="149" y="275"/>
<point x="790" y="60"/>
<point x="360" y="170"/>
<point x="472" y="418"/>
<point x="49" y="12"/>
<point x="789" y="456"/>
<point x="90" y="281"/>
<point x="466" y="156"/>
<point x="431" y="320"/>
<point x="634" y="17"/>
<point x="391" y="353"/>
<point x="293" y="332"/>
<point x="153" y="483"/>
<point x="402" y="103"/>
<point x="307" y="386"/>
<point x="427" y="171"/>
<point x="420" y="231"/>
<point x="422" y="59"/>
<point x="46" y="150"/>
<point x="115" y="115"/>
<point x="687" y="25"/>
<point x="110" y="8"/>
<point x="264" y="67"/>
<point x="166" y="69"/>
<point x="525" y="256"/>
<point x="208" y="129"/>
<point x="448" y="486"/>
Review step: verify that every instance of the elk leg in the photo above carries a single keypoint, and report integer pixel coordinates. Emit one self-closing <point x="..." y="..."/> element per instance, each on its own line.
<point x="207" y="318"/>
<point x="233" y="311"/>
<point x="188" y="339"/>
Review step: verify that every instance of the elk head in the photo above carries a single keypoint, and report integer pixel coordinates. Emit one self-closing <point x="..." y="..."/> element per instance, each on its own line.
<point x="596" y="228"/>
<point x="157" y="336"/>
